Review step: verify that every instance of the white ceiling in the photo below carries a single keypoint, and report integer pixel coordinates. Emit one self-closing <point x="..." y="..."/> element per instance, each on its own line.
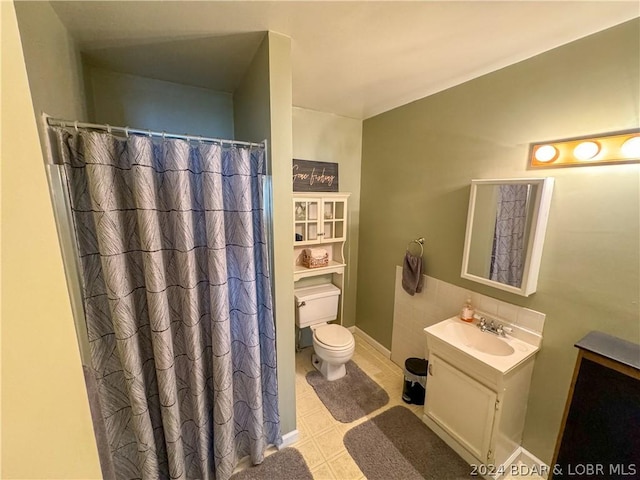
<point x="356" y="59"/>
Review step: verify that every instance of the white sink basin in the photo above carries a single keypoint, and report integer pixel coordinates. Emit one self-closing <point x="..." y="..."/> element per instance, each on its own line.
<point x="500" y="353"/>
<point x="471" y="336"/>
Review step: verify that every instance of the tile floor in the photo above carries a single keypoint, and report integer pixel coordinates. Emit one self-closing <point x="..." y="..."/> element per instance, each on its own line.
<point x="320" y="435"/>
<point x="320" y="440"/>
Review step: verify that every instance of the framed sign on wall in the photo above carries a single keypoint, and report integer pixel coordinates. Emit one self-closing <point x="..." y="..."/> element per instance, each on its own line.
<point x="311" y="176"/>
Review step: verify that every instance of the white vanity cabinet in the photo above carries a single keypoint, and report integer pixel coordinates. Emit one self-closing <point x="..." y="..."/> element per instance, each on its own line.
<point x="476" y="401"/>
<point x="462" y="406"/>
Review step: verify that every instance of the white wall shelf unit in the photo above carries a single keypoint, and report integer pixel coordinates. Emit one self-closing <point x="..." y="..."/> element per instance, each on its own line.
<point x="320" y="221"/>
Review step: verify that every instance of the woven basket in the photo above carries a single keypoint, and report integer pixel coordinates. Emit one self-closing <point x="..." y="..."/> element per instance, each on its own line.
<point x="310" y="262"/>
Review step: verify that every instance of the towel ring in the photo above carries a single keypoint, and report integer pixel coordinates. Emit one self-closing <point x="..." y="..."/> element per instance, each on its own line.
<point x="419" y="241"/>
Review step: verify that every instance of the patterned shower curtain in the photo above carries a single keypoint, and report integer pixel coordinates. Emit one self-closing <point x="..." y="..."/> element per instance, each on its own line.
<point x="177" y="300"/>
<point x="507" y="257"/>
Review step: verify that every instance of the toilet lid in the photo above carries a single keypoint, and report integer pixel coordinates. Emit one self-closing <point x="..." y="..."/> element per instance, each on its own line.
<point x="333" y="335"/>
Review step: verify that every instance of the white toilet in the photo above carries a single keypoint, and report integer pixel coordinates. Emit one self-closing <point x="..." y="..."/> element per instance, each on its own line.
<point x="333" y="344"/>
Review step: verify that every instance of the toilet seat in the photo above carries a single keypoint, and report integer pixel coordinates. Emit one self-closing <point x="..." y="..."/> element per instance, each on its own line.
<point x="333" y="337"/>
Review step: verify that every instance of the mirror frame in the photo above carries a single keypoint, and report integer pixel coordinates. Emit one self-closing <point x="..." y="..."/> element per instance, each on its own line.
<point x="542" y="202"/>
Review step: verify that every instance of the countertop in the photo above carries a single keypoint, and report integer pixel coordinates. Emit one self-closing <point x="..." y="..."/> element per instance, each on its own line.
<point x="613" y="348"/>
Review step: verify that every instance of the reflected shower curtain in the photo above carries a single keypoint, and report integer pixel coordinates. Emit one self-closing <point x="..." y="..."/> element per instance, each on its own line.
<point x="508" y="252"/>
<point x="177" y="300"/>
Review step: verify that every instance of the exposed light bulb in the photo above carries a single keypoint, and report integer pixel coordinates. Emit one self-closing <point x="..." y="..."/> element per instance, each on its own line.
<point x="586" y="150"/>
<point x="546" y="153"/>
<point x="631" y="147"/>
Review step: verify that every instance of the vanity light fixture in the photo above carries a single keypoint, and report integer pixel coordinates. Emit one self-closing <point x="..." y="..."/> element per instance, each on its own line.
<point x="631" y="147"/>
<point x="546" y="153"/>
<point x="608" y="148"/>
<point x="586" y="150"/>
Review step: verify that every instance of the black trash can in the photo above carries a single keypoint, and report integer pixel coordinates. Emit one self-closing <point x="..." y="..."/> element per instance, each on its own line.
<point x="415" y="380"/>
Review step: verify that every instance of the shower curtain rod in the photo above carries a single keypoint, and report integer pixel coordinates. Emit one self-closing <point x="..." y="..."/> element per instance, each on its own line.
<point x="55" y="122"/>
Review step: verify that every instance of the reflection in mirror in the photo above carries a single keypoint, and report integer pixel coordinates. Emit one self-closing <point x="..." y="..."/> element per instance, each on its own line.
<point x="499" y="235"/>
<point x="505" y="231"/>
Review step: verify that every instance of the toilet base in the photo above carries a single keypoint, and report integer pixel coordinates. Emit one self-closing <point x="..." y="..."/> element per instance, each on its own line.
<point x="328" y="371"/>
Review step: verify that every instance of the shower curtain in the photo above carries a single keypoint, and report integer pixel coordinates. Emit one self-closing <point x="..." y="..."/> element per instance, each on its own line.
<point x="177" y="300"/>
<point x="508" y="251"/>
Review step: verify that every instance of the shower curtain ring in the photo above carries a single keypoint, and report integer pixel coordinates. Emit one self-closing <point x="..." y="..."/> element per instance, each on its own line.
<point x="149" y="133"/>
<point x="75" y="125"/>
<point x="108" y="129"/>
<point x="126" y="132"/>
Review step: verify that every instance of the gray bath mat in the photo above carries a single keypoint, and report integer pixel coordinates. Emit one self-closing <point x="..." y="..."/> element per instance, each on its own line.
<point x="396" y="444"/>
<point x="287" y="464"/>
<point x="350" y="397"/>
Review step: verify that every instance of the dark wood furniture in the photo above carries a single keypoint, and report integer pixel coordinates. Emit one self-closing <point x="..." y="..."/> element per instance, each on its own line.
<point x="600" y="431"/>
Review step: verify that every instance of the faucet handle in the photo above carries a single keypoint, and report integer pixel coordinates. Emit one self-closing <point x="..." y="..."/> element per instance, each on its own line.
<point x="501" y="329"/>
<point x="482" y="324"/>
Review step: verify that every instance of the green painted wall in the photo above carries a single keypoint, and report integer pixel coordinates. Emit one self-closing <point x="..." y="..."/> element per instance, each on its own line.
<point x="46" y="423"/>
<point x="262" y="109"/>
<point x="121" y="99"/>
<point x="419" y="159"/>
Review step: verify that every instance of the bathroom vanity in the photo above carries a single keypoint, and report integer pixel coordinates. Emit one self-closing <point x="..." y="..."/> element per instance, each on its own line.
<point x="477" y="390"/>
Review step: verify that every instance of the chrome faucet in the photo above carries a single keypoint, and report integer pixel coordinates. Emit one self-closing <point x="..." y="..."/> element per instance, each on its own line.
<point x="482" y="324"/>
<point x="491" y="327"/>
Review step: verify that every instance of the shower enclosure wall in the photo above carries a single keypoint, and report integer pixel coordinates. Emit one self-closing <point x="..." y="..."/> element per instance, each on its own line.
<point x="267" y="84"/>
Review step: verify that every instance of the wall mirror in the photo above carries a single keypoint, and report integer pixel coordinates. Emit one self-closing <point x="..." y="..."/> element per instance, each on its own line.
<point x="506" y="225"/>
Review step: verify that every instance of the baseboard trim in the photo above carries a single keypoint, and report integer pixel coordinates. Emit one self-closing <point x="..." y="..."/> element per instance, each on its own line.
<point x="510" y="463"/>
<point x="384" y="351"/>
<point x="289" y="439"/>
<point x="521" y="463"/>
<point x="530" y="464"/>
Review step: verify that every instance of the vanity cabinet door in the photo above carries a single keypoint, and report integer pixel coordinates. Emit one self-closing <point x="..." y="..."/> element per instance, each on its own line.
<point x="463" y="407"/>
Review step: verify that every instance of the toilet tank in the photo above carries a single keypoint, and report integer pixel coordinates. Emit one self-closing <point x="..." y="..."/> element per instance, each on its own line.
<point x="318" y="304"/>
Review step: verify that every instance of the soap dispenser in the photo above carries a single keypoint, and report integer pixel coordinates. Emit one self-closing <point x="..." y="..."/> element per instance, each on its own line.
<point x="467" y="312"/>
